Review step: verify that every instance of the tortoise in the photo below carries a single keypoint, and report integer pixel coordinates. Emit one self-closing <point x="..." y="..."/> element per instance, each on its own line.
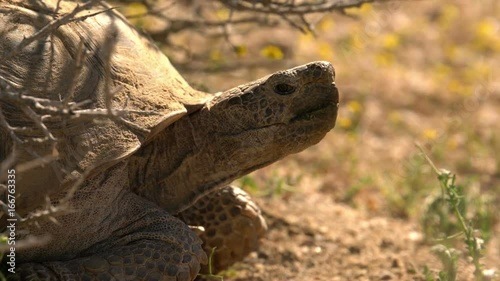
<point x="147" y="159"/>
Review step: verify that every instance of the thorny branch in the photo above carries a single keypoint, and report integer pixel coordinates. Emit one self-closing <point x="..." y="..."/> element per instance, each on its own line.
<point x="291" y="7"/>
<point x="198" y="16"/>
<point x="228" y="19"/>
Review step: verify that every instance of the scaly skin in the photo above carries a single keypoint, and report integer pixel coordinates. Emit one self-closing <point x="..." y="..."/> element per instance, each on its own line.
<point x="231" y="223"/>
<point x="139" y="260"/>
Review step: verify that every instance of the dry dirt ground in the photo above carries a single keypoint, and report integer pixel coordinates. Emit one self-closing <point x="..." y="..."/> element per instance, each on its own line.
<point x="311" y="237"/>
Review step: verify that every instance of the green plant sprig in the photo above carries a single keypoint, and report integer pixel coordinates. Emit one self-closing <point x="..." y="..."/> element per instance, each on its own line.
<point x="451" y="194"/>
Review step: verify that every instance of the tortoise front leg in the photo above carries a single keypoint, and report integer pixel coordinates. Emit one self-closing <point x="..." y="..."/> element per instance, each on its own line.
<point x="231" y="222"/>
<point x="139" y="260"/>
<point x="150" y="245"/>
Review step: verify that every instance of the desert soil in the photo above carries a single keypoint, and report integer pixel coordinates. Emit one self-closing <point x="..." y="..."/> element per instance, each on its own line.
<point x="311" y="237"/>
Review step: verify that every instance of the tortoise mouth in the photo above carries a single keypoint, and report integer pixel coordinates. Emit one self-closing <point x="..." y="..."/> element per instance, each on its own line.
<point x="326" y="109"/>
<point x="321" y="111"/>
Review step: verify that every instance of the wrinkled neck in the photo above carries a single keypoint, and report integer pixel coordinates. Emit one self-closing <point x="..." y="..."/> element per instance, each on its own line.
<point x="177" y="166"/>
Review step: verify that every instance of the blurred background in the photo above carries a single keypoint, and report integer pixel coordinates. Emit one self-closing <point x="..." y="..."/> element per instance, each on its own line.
<point x="409" y="72"/>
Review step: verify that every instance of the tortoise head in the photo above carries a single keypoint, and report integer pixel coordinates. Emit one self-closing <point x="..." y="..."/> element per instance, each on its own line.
<point x="253" y="125"/>
<point x="241" y="130"/>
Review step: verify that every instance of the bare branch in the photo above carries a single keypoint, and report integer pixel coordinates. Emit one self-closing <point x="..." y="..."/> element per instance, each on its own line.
<point x="38" y="122"/>
<point x="294" y="8"/>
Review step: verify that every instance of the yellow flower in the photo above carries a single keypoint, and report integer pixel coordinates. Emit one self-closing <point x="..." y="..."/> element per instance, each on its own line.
<point x="487" y="35"/>
<point x="222" y="14"/>
<point x="345" y="123"/>
<point x="135" y="9"/>
<point x="241" y="50"/>
<point x="364" y="10"/>
<point x="354" y="106"/>
<point x="391" y="41"/>
<point x="430" y="134"/>
<point x="486" y="29"/>
<point x="272" y="52"/>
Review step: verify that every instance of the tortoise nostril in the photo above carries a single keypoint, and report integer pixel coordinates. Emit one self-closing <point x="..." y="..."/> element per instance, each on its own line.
<point x="284" y="89"/>
<point x="317" y="72"/>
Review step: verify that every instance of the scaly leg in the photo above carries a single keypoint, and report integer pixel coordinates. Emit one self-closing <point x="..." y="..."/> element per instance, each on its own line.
<point x="152" y="246"/>
<point x="232" y="223"/>
<point x="140" y="260"/>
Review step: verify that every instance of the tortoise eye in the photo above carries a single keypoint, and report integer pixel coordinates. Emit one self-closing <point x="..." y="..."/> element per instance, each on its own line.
<point x="284" y="89"/>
